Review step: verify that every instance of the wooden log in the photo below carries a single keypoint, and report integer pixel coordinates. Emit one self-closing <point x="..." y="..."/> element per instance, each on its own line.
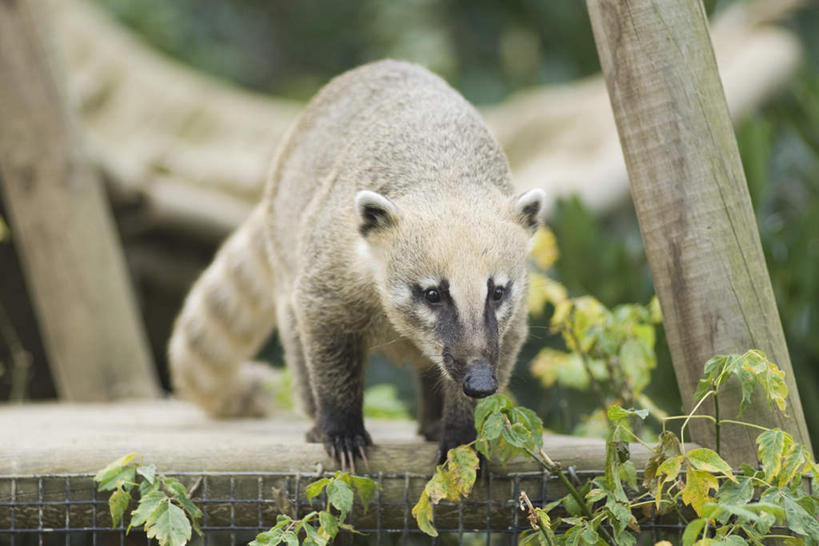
<point x="63" y="230"/>
<point x="692" y="203"/>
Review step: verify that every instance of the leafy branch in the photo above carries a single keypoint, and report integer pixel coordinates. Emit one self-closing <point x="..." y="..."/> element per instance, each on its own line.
<point x="718" y="504"/>
<point x="320" y="528"/>
<point x="164" y="506"/>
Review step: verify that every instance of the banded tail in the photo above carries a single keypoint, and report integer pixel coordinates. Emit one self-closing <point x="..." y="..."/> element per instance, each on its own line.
<point x="225" y="319"/>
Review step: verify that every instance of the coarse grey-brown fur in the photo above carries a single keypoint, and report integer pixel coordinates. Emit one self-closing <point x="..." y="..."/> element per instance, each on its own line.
<point x="388" y="187"/>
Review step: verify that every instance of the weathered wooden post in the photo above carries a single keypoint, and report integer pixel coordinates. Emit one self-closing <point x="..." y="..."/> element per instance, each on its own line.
<point x="63" y="232"/>
<point x="692" y="201"/>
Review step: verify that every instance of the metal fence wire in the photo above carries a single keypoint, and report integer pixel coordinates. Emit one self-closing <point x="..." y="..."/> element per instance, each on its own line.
<point x="67" y="510"/>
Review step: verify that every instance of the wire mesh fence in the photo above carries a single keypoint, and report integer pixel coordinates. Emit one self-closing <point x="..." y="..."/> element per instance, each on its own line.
<point x="66" y="509"/>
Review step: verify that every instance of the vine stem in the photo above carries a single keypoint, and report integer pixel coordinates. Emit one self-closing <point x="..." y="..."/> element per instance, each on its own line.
<point x="692" y="412"/>
<point x="534" y="520"/>
<point x="717" y="421"/>
<point x="547" y="463"/>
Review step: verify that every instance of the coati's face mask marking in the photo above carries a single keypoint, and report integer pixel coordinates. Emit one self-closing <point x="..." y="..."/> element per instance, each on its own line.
<point x="453" y="281"/>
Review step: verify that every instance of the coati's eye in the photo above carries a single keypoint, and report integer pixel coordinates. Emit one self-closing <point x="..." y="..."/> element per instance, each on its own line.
<point x="498" y="293"/>
<point x="432" y="295"/>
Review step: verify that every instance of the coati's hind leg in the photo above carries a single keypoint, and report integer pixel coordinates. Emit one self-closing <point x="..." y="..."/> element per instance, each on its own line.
<point x="294" y="356"/>
<point x="225" y="319"/>
<point x="430" y="398"/>
<point x="336" y="365"/>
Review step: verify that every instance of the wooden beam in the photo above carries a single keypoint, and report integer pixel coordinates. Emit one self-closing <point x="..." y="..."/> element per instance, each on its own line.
<point x="179" y="437"/>
<point x="692" y="202"/>
<point x="62" y="228"/>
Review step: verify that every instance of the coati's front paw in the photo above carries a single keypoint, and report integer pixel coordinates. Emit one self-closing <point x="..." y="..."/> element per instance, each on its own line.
<point x="343" y="444"/>
<point x="452" y="437"/>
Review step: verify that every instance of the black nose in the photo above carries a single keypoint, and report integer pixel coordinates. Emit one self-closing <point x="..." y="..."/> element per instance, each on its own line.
<point x="479" y="381"/>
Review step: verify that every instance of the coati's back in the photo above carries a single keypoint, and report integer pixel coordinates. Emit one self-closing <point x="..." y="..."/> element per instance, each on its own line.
<point x="391" y="127"/>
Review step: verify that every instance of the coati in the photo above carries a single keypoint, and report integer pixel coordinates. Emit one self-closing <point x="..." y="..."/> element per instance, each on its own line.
<point x="388" y="224"/>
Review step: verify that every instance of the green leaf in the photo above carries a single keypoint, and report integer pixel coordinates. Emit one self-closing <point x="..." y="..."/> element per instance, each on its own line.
<point x="366" y="489"/>
<point x="517" y="435"/>
<point x="268" y="538"/>
<point x="617" y="414"/>
<point x="340" y="496"/>
<point x="531" y="421"/>
<point x="148" y="472"/>
<point x="492" y="427"/>
<point x="117" y="504"/>
<point x="628" y="473"/>
<point x="314" y="489"/>
<point x="313" y="537"/>
<point x="169" y="525"/>
<point x="329" y="524"/>
<point x="491" y="404"/>
<point x="119" y="471"/>
<point x="193" y="511"/>
<point x="692" y="531"/>
<point x="148" y="504"/>
<point x="799" y="520"/>
<point x="712" y="511"/>
<point x="738" y="493"/>
<point x="708" y="460"/>
<point x="771" y="445"/>
<point x="698" y="484"/>
<point x="422" y="512"/>
<point x="174" y="487"/>
<point x="291" y="537"/>
<point x="731" y="540"/>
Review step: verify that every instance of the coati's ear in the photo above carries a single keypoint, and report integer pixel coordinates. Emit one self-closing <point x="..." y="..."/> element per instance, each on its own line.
<point x="374" y="211"/>
<point x="529" y="208"/>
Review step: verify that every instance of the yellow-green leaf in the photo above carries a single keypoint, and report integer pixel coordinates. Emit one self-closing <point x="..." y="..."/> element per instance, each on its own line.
<point x="771" y="447"/>
<point x="769" y="376"/>
<point x="698" y="484"/>
<point x="544" y="248"/>
<point x="120" y="471"/>
<point x="118" y="503"/>
<point x="422" y="512"/>
<point x="462" y="465"/>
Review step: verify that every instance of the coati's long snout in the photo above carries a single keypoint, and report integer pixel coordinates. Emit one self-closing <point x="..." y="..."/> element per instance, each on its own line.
<point x="480" y="380"/>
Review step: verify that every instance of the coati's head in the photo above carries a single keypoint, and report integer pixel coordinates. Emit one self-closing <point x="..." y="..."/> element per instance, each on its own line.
<point x="452" y="273"/>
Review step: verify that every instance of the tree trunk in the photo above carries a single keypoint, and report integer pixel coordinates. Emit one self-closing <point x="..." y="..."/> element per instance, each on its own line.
<point x="62" y="228"/>
<point x="692" y="203"/>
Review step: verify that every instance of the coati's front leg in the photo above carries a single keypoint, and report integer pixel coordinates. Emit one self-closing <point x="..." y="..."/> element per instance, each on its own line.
<point x="458" y="423"/>
<point x="336" y="366"/>
<point x="430" y="403"/>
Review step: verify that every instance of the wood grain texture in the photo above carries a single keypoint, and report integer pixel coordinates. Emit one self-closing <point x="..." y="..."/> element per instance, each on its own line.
<point x="692" y="202"/>
<point x="62" y="229"/>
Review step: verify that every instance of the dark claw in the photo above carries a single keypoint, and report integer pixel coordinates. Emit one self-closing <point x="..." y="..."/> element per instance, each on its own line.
<point x="345" y="449"/>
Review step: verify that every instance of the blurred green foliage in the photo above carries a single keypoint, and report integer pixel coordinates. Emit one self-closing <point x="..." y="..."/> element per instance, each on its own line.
<point x="487" y="50"/>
